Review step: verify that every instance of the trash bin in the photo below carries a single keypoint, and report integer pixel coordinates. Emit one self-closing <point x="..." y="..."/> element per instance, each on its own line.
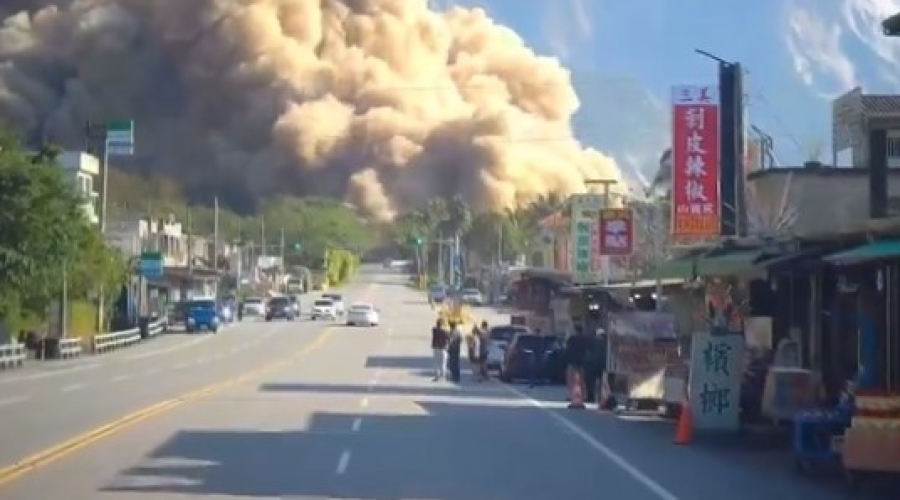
<point x="51" y="348"/>
<point x="144" y="326"/>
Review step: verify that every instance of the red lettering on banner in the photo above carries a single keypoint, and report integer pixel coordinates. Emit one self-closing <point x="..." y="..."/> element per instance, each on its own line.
<point x="695" y="163"/>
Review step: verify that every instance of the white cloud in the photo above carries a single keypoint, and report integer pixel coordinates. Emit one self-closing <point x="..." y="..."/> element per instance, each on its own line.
<point x="568" y="27"/>
<point x="815" y="42"/>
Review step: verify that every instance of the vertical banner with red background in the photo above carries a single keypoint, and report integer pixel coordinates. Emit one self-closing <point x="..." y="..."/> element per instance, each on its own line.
<point x="616" y="232"/>
<point x="696" y="210"/>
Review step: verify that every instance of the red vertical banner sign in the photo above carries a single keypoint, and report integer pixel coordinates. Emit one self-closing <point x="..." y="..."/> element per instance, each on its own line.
<point x="616" y="232"/>
<point x="696" y="211"/>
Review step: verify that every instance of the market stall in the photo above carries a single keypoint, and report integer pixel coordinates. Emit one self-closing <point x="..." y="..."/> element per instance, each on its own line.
<point x="643" y="361"/>
<point x="872" y="443"/>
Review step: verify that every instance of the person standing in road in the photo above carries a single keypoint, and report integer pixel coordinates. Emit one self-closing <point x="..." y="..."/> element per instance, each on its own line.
<point x="576" y="355"/>
<point x="454" y="346"/>
<point x="473" y="342"/>
<point x="483" y="349"/>
<point x="439" y="341"/>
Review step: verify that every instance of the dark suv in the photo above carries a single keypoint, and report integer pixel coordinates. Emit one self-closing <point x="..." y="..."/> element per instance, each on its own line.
<point x="280" y="308"/>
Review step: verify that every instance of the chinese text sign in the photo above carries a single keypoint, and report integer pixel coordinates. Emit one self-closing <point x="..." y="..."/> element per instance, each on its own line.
<point x="715" y="380"/>
<point x="696" y="211"/>
<point x="616" y="232"/>
<point x="585" y="213"/>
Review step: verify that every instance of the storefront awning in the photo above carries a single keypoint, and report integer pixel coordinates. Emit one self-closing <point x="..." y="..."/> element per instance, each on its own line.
<point x="879" y="250"/>
<point x="729" y="264"/>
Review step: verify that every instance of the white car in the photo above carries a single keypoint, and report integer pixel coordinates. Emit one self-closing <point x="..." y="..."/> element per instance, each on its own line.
<point x="362" y="315"/>
<point x="472" y="297"/>
<point x="499" y="338"/>
<point x="254" y="306"/>
<point x="338" y="302"/>
<point x="323" y="308"/>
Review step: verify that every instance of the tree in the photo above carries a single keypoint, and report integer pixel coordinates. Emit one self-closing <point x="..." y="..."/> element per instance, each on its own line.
<point x="42" y="228"/>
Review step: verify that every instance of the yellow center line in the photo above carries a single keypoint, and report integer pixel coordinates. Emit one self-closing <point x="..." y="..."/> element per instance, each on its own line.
<point x="52" y="454"/>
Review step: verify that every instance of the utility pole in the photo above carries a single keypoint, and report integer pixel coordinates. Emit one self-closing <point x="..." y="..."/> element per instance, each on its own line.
<point x="215" y="262"/>
<point x="96" y="134"/>
<point x="263" y="251"/>
<point x="440" y="242"/>
<point x="607" y="192"/>
<point x="283" y="265"/>
<point x="190" y="254"/>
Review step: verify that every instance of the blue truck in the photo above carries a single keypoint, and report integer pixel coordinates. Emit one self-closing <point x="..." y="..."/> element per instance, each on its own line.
<point x="202" y="314"/>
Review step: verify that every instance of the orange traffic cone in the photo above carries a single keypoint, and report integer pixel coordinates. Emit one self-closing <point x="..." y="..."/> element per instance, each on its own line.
<point x="684" y="433"/>
<point x="576" y="401"/>
<point x="603" y="393"/>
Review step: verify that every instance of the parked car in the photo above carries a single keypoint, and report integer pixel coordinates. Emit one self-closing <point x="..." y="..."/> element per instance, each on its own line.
<point x="254" y="306"/>
<point x="499" y="338"/>
<point x="472" y="297"/>
<point x="362" y="315"/>
<point x="337" y="301"/>
<point x="279" y="308"/>
<point x="527" y="358"/>
<point x="202" y="314"/>
<point x="323" y="308"/>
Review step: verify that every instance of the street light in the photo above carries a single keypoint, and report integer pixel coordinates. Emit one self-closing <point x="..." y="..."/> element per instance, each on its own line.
<point x="891" y="26"/>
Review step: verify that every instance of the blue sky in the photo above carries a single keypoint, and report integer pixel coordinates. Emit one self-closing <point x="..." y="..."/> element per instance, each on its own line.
<point x="799" y="55"/>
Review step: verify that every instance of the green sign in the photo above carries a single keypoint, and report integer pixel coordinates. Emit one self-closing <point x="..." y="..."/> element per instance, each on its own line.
<point x="585" y="218"/>
<point x="151" y="265"/>
<point x="120" y="137"/>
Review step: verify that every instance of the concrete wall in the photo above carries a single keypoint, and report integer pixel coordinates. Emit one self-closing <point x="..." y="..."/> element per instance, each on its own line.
<point x="825" y="200"/>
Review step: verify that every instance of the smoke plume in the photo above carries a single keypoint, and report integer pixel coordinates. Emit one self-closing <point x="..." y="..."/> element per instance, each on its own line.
<point x="382" y="103"/>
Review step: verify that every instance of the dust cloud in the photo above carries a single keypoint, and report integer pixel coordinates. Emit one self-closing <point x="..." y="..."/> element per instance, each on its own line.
<point x="382" y="103"/>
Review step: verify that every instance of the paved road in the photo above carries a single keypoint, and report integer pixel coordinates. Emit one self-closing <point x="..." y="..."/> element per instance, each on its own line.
<point x="302" y="411"/>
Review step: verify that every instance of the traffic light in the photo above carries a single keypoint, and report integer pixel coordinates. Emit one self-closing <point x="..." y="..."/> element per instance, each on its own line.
<point x="298" y="246"/>
<point x="416" y="241"/>
<point x="891" y="25"/>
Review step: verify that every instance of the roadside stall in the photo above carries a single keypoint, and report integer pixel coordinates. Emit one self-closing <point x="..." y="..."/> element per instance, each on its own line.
<point x="644" y="369"/>
<point x="872" y="443"/>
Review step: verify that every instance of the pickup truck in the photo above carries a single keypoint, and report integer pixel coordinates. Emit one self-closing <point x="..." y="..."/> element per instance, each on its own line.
<point x="202" y="314"/>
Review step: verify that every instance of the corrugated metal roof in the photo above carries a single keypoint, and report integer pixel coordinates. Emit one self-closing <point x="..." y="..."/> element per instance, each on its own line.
<point x="881" y="104"/>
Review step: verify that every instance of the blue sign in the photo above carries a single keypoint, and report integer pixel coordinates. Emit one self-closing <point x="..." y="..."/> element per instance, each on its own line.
<point x="151" y="265"/>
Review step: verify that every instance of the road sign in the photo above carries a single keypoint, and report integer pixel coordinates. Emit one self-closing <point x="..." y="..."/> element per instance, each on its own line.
<point x="120" y="138"/>
<point x="151" y="265"/>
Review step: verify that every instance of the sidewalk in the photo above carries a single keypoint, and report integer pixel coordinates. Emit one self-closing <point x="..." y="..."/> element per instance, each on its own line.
<point x="750" y="466"/>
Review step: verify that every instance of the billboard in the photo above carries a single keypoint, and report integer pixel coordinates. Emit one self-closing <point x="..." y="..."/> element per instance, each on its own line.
<point x="616" y="232"/>
<point x="696" y="208"/>
<point x="585" y="215"/>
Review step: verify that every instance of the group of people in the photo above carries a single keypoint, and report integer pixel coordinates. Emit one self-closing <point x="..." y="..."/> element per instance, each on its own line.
<point x="446" y="345"/>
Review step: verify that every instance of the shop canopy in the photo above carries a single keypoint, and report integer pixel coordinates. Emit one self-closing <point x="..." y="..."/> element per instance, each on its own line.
<point x="733" y="263"/>
<point x="870" y="252"/>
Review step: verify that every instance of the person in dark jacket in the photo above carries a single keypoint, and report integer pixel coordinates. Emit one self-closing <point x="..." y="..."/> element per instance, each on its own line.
<point x="576" y="357"/>
<point x="595" y="365"/>
<point x="454" y="346"/>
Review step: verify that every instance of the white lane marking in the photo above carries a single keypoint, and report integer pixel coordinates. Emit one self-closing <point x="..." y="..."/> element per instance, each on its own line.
<point x="181" y="366"/>
<point x="47" y="374"/>
<point x="357" y="423"/>
<point x="12" y="400"/>
<point x="648" y="482"/>
<point x="72" y="388"/>
<point x="152" y="371"/>
<point x="165" y="350"/>
<point x="343" y="462"/>
<point x="121" y="378"/>
<point x="200" y="361"/>
<point x="364" y="403"/>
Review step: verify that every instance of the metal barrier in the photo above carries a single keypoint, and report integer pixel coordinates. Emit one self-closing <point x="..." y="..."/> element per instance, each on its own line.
<point x="114" y="340"/>
<point x="70" y="348"/>
<point x="12" y="355"/>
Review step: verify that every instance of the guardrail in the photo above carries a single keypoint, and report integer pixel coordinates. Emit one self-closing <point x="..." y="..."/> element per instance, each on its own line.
<point x="12" y="355"/>
<point x="70" y="348"/>
<point x="123" y="338"/>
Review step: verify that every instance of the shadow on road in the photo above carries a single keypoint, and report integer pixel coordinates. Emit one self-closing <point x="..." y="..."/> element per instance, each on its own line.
<point x="400" y="362"/>
<point x="440" y="389"/>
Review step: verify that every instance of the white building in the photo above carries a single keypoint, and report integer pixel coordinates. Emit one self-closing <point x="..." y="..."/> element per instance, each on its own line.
<point x="84" y="170"/>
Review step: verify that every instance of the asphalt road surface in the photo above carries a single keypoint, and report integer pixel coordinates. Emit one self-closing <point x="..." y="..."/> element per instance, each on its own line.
<point x="315" y="410"/>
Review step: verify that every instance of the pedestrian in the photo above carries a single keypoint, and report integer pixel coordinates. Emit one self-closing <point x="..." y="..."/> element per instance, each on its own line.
<point x="483" y="350"/>
<point x="454" y="345"/>
<point x="593" y="369"/>
<point x="473" y="342"/>
<point x="439" y="341"/>
<point x="576" y="354"/>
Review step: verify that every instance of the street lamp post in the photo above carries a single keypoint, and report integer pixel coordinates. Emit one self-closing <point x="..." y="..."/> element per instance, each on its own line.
<point x="607" y="187"/>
